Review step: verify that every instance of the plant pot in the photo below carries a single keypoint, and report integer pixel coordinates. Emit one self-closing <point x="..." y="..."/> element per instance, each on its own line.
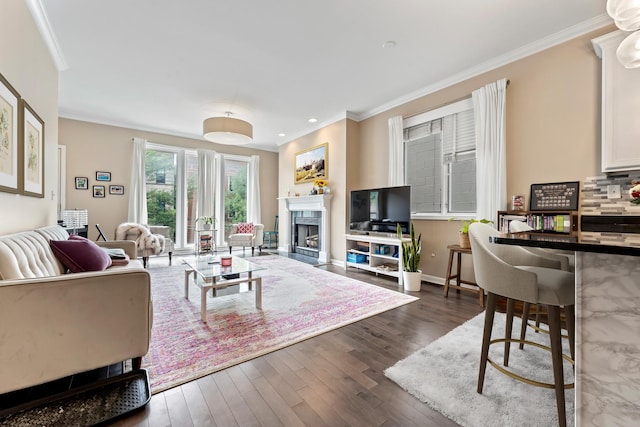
<point x="464" y="241"/>
<point x="411" y="280"/>
<point x="206" y="226"/>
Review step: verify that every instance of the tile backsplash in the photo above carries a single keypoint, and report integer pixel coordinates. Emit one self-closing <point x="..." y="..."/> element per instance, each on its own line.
<point x="594" y="201"/>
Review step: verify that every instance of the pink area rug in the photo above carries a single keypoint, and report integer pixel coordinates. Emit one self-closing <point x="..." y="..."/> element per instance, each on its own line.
<point x="299" y="301"/>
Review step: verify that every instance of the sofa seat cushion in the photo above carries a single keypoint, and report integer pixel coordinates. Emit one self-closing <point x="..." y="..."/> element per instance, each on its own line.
<point x="79" y="254"/>
<point x="241" y="239"/>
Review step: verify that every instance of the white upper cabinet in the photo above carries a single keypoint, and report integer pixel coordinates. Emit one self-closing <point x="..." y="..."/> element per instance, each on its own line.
<point x="620" y="107"/>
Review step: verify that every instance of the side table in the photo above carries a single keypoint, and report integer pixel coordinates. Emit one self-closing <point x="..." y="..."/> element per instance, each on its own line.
<point x="458" y="250"/>
<point x="205" y="241"/>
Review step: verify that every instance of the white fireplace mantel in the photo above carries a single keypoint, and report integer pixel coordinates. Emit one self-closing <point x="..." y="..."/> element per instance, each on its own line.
<point x="321" y="203"/>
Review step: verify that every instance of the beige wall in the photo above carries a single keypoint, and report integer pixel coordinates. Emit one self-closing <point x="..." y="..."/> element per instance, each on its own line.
<point x="25" y="62"/>
<point x="335" y="135"/>
<point x="553" y="134"/>
<point x="92" y="147"/>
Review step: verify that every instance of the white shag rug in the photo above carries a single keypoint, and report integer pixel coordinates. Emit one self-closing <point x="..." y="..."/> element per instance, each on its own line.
<point x="444" y="375"/>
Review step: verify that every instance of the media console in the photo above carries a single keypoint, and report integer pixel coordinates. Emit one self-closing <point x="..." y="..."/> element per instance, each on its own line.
<point x="378" y="254"/>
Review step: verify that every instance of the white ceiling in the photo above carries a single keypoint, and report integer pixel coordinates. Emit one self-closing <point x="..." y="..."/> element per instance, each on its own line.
<point x="166" y="65"/>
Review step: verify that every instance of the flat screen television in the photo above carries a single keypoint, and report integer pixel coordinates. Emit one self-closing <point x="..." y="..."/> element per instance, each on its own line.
<point x="379" y="210"/>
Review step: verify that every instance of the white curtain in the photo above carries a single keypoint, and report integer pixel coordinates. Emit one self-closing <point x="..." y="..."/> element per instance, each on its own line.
<point x="489" y="105"/>
<point x="138" y="189"/>
<point x="219" y="190"/>
<point x="208" y="181"/>
<point x="253" y="191"/>
<point x="396" y="151"/>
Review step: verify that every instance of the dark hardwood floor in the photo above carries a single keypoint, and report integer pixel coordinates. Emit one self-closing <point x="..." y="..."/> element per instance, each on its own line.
<point x="335" y="379"/>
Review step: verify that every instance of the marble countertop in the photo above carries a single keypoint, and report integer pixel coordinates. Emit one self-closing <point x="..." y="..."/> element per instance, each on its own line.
<point x="605" y="242"/>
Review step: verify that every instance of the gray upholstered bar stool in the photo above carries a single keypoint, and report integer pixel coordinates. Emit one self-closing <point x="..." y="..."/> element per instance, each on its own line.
<point x="566" y="258"/>
<point x="512" y="272"/>
<point x="567" y="263"/>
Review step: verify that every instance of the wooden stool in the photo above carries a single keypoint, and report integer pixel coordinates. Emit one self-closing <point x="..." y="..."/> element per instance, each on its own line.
<point x="457" y="249"/>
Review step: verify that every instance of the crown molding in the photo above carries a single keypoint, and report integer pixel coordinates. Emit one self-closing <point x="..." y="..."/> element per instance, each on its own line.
<point x="44" y="27"/>
<point x="62" y="114"/>
<point x="527" y="50"/>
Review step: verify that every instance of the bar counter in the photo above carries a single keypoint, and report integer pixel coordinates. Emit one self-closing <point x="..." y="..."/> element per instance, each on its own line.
<point x="607" y="321"/>
<point x="604" y="243"/>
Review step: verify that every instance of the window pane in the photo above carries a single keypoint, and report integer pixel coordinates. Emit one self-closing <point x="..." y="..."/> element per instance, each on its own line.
<point x="423" y="160"/>
<point x="235" y="199"/>
<point x="439" y="160"/>
<point x="463" y="185"/>
<point x="192" y="194"/>
<point x="161" y="191"/>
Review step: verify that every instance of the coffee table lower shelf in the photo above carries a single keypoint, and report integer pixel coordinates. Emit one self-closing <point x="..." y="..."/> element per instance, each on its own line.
<point x="215" y="284"/>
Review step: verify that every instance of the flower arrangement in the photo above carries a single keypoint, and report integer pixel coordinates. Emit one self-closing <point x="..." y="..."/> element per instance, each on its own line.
<point x="634" y="192"/>
<point x="319" y="183"/>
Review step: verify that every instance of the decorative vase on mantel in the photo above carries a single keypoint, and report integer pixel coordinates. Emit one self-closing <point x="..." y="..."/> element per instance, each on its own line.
<point x="464" y="240"/>
<point x="321" y="190"/>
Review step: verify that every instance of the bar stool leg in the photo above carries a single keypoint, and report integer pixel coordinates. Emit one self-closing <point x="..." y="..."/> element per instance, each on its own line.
<point x="486" y="338"/>
<point x="508" y="328"/>
<point x="525" y="318"/>
<point x="553" y="313"/>
<point x="446" y="285"/>
<point x="570" y="314"/>
<point x="458" y="272"/>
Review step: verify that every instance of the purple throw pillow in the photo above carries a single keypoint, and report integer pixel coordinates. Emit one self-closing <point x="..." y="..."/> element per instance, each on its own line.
<point x="79" y="254"/>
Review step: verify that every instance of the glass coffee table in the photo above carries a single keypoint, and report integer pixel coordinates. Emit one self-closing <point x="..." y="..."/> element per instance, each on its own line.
<point x="208" y="274"/>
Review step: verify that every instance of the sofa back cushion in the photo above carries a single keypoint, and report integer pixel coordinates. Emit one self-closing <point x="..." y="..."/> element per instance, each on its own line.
<point x="28" y="254"/>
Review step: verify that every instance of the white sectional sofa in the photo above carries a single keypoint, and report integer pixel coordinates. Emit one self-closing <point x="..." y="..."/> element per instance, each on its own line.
<point x="53" y="324"/>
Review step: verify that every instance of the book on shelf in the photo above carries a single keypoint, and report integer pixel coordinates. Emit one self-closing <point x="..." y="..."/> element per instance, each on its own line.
<point x="205" y="242"/>
<point x="538" y="221"/>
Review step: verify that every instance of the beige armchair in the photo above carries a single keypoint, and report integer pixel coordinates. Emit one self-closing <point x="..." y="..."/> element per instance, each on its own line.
<point x="246" y="235"/>
<point x="150" y="239"/>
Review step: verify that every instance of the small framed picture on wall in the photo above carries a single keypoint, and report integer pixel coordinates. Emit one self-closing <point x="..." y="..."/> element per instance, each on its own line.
<point x="116" y="189"/>
<point x="82" y="183"/>
<point x="103" y="176"/>
<point x="98" y="191"/>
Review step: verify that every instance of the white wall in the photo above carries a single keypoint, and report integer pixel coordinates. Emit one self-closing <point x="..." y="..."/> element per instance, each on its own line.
<point x="26" y="63"/>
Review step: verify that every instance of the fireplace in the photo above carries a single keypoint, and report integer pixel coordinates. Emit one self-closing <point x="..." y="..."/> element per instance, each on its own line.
<point x="305" y="226"/>
<point x="306" y="233"/>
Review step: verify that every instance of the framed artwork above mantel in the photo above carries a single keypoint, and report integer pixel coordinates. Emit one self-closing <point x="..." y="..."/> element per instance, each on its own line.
<point x="311" y="164"/>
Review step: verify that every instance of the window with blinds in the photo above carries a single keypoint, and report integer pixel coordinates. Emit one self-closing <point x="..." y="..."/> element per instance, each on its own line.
<point x="440" y="160"/>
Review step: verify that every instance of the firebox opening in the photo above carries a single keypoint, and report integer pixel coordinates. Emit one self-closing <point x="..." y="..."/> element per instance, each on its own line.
<point x="306" y="235"/>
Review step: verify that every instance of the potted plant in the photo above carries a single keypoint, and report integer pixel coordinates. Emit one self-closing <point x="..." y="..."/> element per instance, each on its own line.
<point x="207" y="221"/>
<point x="464" y="230"/>
<point x="411" y="275"/>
